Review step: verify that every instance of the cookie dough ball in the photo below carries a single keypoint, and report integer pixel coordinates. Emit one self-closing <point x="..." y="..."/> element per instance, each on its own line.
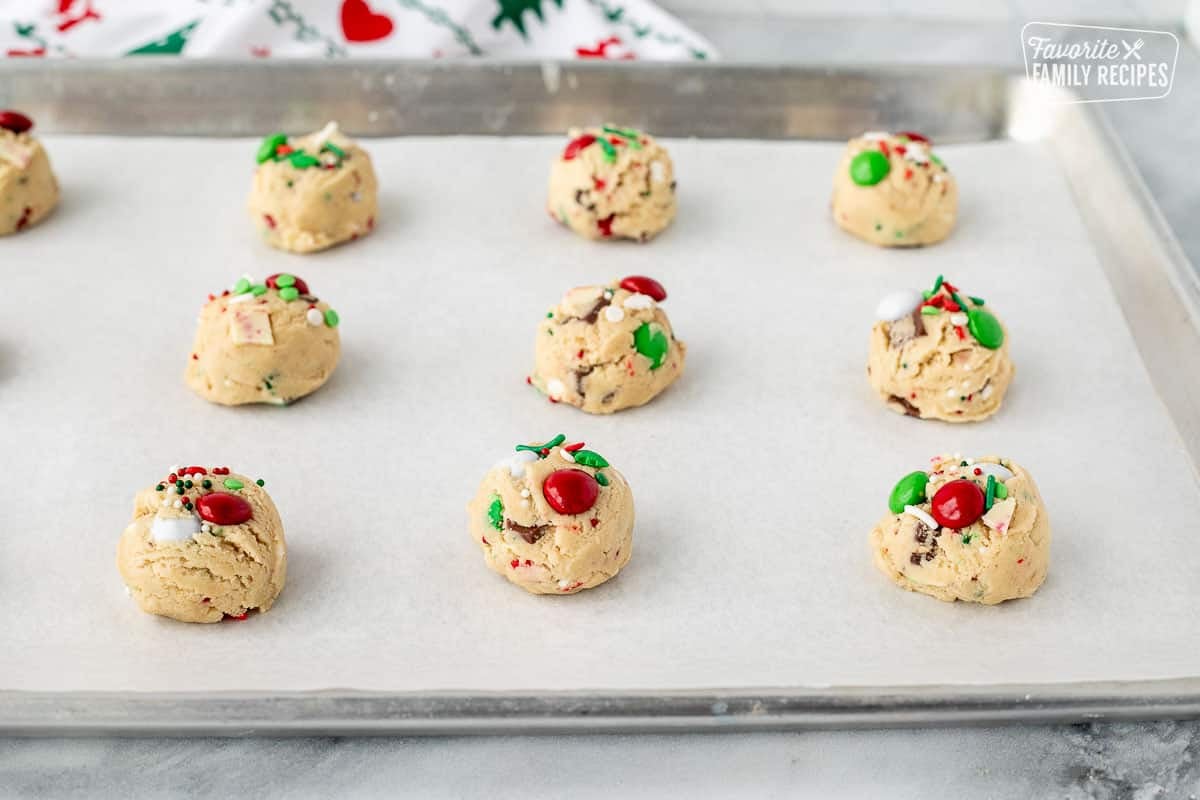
<point x="553" y="518"/>
<point x="204" y="544"/>
<point x="313" y="192"/>
<point x="605" y="348"/>
<point x="891" y="190"/>
<point x="972" y="530"/>
<point x="613" y="183"/>
<point x="270" y="342"/>
<point x="939" y="354"/>
<point x="28" y="188"/>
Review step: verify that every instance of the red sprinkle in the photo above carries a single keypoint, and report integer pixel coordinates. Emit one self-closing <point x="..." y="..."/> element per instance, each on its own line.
<point x="529" y="380"/>
<point x="514" y="563"/>
<point x="575" y="145"/>
<point x="594" y="521"/>
<point x="193" y="471"/>
<point x="239" y="617"/>
<point x="901" y="149"/>
<point x="485" y="541"/>
<point x="913" y="137"/>
<point x="15" y="121"/>
<point x="283" y="149"/>
<point x="528" y="563"/>
<point x="640" y="284"/>
<point x="605" y="225"/>
<point x="579" y="354"/>
<point x="598" y="183"/>
<point x="571" y="448"/>
<point x="220" y="470"/>
<point x="883" y="148"/>
<point x="908" y="174"/>
<point x="269" y="220"/>
<point x="24" y="220"/>
<point x="1020" y="561"/>
<point x="961" y="334"/>
<point x="978" y="471"/>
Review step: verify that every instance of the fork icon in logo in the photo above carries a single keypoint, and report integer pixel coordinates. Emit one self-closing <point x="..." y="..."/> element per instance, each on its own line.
<point x="1132" y="49"/>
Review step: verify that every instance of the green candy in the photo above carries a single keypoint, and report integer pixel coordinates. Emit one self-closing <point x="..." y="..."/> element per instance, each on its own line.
<point x="302" y="160"/>
<point x="986" y="329"/>
<point x="258" y="289"/>
<point x="910" y="491"/>
<point x="289" y="293"/>
<point x="285" y="280"/>
<point x="651" y="341"/>
<point x="331" y="318"/>
<point x="233" y="483"/>
<point x="266" y="150"/>
<point x="589" y="459"/>
<point x="242" y="286"/>
<point x="869" y="168"/>
<point x="495" y="512"/>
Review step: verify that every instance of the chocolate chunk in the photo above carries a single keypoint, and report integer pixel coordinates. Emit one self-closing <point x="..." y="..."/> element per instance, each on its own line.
<point x="915" y="558"/>
<point x="580" y="374"/>
<point x="904" y="330"/>
<point x="608" y="398"/>
<point x="530" y="533"/>
<point x="922" y="534"/>
<point x="909" y="408"/>
<point x="594" y="313"/>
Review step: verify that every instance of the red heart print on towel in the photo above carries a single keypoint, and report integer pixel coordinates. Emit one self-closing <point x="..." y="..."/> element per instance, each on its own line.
<point x="361" y="24"/>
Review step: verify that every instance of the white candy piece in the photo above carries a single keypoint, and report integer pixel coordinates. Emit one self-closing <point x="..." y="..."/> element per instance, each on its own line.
<point x="958" y="318"/>
<point x="1000" y="514"/>
<point x="517" y="461"/>
<point x="657" y="172"/>
<point x="875" y="136"/>
<point x="566" y="456"/>
<point x="898" y="305"/>
<point x="929" y="521"/>
<point x="614" y="313"/>
<point x="314" y="317"/>
<point x="251" y="327"/>
<point x="988" y="468"/>
<point x="639" y="302"/>
<point x="916" y="151"/>
<point x="328" y="132"/>
<point x="175" y="529"/>
<point x="245" y="297"/>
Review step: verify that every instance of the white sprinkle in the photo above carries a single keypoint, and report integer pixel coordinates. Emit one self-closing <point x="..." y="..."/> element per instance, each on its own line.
<point x="916" y="151"/>
<point x="952" y="392"/>
<point x="524" y="493"/>
<point x="614" y="313"/>
<point x="987" y="392"/>
<point x="563" y="584"/>
<point x="639" y="301"/>
<point x="555" y="388"/>
<point x="929" y="521"/>
<point x="608" y="293"/>
<point x="314" y="317"/>
<point x="525" y="503"/>
<point x="566" y="456"/>
<point x="1001" y="472"/>
<point x="178" y="504"/>
<point x="874" y="136"/>
<point x="958" y="319"/>
<point x="166" y="501"/>
<point x="128" y="592"/>
<point x="938" y="177"/>
<point x="241" y="298"/>
<point x="657" y="173"/>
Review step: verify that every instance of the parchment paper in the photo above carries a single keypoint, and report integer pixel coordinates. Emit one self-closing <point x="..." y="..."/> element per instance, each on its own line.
<point x="757" y="476"/>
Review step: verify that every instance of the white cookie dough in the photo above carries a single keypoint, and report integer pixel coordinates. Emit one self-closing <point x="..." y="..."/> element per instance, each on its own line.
<point x="606" y="348"/>
<point x="612" y="182"/>
<point x="269" y="342"/>
<point x="891" y="190"/>
<point x="313" y="192"/>
<point x="553" y="518"/>
<point x="28" y="188"/>
<point x="940" y="354"/>
<point x="205" y="544"/>
<point x="965" y="529"/>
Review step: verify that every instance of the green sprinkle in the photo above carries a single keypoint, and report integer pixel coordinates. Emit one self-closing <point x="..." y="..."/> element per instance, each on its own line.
<point x="328" y="196"/>
<point x="179" y="490"/>
<point x="159" y="488"/>
<point x="589" y="459"/>
<point x="289" y="293"/>
<point x="610" y="152"/>
<point x="331" y="318"/>
<point x="549" y="315"/>
<point x="937" y="161"/>
<point x="290" y="184"/>
<point x="937" y="285"/>
<point x="601" y="479"/>
<point x="538" y="448"/>
<point x="967" y="538"/>
<point x="206" y="483"/>
<point x="261" y="482"/>
<point x="625" y="133"/>
<point x="258" y="289"/>
<point x="267" y="383"/>
<point x="188" y="484"/>
<point x="976" y="300"/>
<point x="242" y="286"/>
<point x="989" y="496"/>
<point x="927" y="294"/>
<point x="233" y="483"/>
<point x="266" y="150"/>
<point x="930" y="311"/>
<point x="878" y="226"/>
<point x="899" y="234"/>
<point x="302" y="160"/>
<point x="1001" y="490"/>
<point x="284" y="279"/>
<point x="178" y="482"/>
<point x="333" y="148"/>
<point x="549" y="331"/>
<point x="495" y="512"/>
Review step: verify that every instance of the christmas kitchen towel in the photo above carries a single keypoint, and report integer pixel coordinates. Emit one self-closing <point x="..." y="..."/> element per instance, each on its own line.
<point x="517" y="29"/>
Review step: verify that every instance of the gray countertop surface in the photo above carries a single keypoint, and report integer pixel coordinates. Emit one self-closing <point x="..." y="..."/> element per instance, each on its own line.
<point x="1143" y="761"/>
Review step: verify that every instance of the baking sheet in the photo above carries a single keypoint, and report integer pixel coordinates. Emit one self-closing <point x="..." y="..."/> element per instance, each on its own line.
<point x="756" y="477"/>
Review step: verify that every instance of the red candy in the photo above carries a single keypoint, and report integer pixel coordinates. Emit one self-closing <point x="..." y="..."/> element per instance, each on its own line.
<point x="301" y="286"/>
<point x="575" y="145"/>
<point x="640" y="284"/>
<point x="913" y="137"/>
<point x="958" y="504"/>
<point x="223" y="508"/>
<point x="15" y="121"/>
<point x="570" y="491"/>
<point x="193" y="471"/>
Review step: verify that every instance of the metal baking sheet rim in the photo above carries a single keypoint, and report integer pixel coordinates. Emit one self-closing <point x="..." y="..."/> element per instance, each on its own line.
<point x="1138" y="251"/>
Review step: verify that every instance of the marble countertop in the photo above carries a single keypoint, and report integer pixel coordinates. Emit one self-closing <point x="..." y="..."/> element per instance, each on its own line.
<point x="1145" y="761"/>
